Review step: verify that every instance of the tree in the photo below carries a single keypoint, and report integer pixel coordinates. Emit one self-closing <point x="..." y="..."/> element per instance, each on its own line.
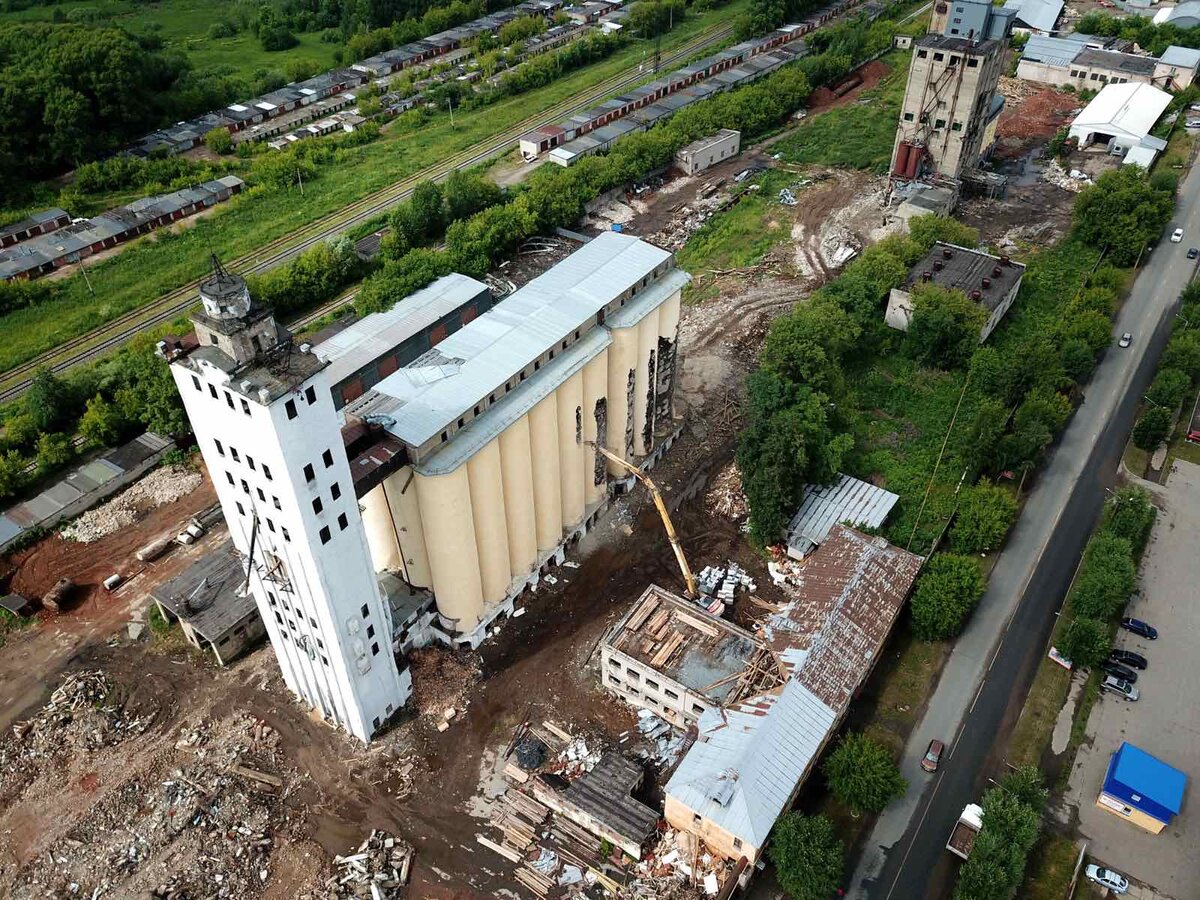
<point x="945" y="326"/>
<point x="947" y="591"/>
<point x="1123" y="212"/>
<point x="101" y="423"/>
<point x="808" y="856"/>
<point x="219" y="141"/>
<point x="1130" y="515"/>
<point x="1183" y="353"/>
<point x="985" y="513"/>
<point x="467" y="194"/>
<point x="1011" y="819"/>
<point x="979" y="441"/>
<point x="928" y="230"/>
<point x="862" y="774"/>
<point x="298" y="68"/>
<point x="53" y="452"/>
<point x="1152" y="427"/>
<point x="1035" y="423"/>
<point x="47" y="402"/>
<point x="1170" y="387"/>
<point x="12" y="473"/>
<point x="1086" y="642"/>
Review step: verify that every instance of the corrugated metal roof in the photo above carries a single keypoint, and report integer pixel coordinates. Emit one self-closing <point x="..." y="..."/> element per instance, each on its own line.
<point x="495" y="347"/>
<point x="1041" y="15"/>
<point x="1051" y="51"/>
<point x="379" y="333"/>
<point x="741" y="773"/>
<point x="1122" y="109"/>
<point x="846" y="500"/>
<point x="1184" y="57"/>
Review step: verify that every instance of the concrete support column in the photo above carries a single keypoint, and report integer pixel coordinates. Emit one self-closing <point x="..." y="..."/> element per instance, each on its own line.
<point x="516" y="467"/>
<point x="381" y="532"/>
<point x="595" y="388"/>
<point x="643" y="389"/>
<point x="622" y="361"/>
<point x="450" y="540"/>
<point x="547" y="494"/>
<point x="400" y="489"/>
<point x="571" y="454"/>
<point x="491" y="530"/>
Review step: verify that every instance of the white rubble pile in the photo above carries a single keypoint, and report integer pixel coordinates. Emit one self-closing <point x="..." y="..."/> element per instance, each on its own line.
<point x="1074" y="181"/>
<point x="724" y="582"/>
<point x="725" y="496"/>
<point x="378" y="870"/>
<point x="663" y="743"/>
<point x="162" y="486"/>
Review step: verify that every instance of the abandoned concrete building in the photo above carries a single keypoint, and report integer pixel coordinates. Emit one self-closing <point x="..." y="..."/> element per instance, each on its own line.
<point x="783" y="691"/>
<point x="990" y="281"/>
<point x="951" y="103"/>
<point x="467" y="433"/>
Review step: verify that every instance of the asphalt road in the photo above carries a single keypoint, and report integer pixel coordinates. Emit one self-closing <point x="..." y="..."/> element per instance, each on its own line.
<point x="985" y="681"/>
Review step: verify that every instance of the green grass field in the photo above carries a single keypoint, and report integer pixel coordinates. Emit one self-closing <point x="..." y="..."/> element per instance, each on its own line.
<point x="164" y="260"/>
<point x="183" y="25"/>
<point x="822" y="138"/>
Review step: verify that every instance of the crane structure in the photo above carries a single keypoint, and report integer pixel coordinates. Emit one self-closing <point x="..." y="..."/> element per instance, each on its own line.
<point x="688" y="578"/>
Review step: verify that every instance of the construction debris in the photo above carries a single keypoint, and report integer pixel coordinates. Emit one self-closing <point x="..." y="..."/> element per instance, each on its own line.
<point x="441" y="680"/>
<point x="376" y="871"/>
<point x="163" y="485"/>
<point x="725" y="496"/>
<point x="723" y="583"/>
<point x="1075" y="181"/>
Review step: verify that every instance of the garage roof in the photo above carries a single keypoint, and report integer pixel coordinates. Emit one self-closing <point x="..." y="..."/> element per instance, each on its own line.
<point x="1123" y="110"/>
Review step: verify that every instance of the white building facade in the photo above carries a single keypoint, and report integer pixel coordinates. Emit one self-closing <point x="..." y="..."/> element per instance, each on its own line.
<point x="263" y="416"/>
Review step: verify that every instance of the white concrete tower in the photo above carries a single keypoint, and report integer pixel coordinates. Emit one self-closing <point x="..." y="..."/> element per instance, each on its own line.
<point x="263" y="417"/>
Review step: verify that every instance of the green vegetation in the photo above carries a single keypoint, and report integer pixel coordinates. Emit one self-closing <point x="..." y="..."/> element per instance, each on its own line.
<point x="945" y="327"/>
<point x="808" y="856"/>
<point x="946" y="594"/>
<point x="1124" y="211"/>
<point x="341" y="173"/>
<point x="10" y="623"/>
<point x="1154" y="39"/>
<point x="1012" y="814"/>
<point x="871" y="119"/>
<point x="739" y="236"/>
<point x="985" y="514"/>
<point x="863" y="775"/>
<point x="1050" y="869"/>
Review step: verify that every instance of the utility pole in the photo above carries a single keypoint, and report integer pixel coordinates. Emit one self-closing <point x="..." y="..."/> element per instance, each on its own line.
<point x="450" y="103"/>
<point x="300" y="178"/>
<point x="83" y="272"/>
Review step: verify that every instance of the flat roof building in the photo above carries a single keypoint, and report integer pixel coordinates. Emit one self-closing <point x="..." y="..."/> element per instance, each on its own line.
<point x="991" y="281"/>
<point x="706" y="152"/>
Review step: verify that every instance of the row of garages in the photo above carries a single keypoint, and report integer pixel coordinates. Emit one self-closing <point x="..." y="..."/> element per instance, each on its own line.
<point x="44" y="253"/>
<point x="249" y="117"/>
<point x="653" y="102"/>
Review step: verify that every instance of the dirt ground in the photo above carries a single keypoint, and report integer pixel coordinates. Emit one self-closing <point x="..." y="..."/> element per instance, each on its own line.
<point x="849" y="88"/>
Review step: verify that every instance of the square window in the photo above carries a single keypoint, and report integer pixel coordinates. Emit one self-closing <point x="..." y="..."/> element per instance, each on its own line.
<point x="245" y="406"/>
<point x="327" y="458"/>
<point x="250" y="462"/>
<point x="278" y="618"/>
<point x="343" y="523"/>
<point x="335" y="491"/>
<point x="324" y="661"/>
<point x="271" y="599"/>
<point x="737" y="843"/>
<point x="287" y="537"/>
<point x="229" y="399"/>
<point x="267" y="472"/>
<point x="318" y="507"/>
<point x="972" y="64"/>
<point x="696" y="818"/>
<point x="320" y="644"/>
<point x="365" y="612"/>
<point x="271" y="526"/>
<point x="220" y="449"/>
<point x="375" y="649"/>
<point x="261" y="495"/>
<point x="370" y="631"/>
<point x="245" y="487"/>
<point x="908" y="117"/>
<point x="309" y="474"/>
<point x="275" y="500"/>
<point x="922" y="53"/>
<point x="196" y="382"/>
<point x="229" y="477"/>
<point x="310" y="395"/>
<point x="240" y="509"/>
<point x="290" y="407"/>
<point x="324" y="534"/>
<point x="233" y="452"/>
<point x="212" y="390"/>
<point x="938" y="57"/>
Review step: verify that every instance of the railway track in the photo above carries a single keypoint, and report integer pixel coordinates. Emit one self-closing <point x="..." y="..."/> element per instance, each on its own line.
<point x="169" y="306"/>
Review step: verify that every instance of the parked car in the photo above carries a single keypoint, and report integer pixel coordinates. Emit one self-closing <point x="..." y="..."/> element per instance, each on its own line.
<point x="1114" y="685"/>
<point x="1115" y="668"/>
<point x="1193" y="252"/>
<point x="1126" y="340"/>
<point x="1128" y="658"/>
<point x="1114" y="881"/>
<point x="1140" y="628"/>
<point x="933" y="755"/>
<point x="1177" y="236"/>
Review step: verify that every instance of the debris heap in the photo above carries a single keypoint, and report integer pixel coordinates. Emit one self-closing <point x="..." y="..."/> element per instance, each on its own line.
<point x="162" y="486"/>
<point x="376" y="871"/>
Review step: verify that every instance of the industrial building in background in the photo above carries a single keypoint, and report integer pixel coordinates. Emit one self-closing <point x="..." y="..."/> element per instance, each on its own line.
<point x="951" y="104"/>
<point x="407" y="479"/>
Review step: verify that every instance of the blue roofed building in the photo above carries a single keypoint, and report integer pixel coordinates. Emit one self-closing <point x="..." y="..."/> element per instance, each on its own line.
<point x="1142" y="788"/>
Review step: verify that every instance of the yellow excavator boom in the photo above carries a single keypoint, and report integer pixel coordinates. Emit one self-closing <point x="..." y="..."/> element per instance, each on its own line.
<point x="689" y="579"/>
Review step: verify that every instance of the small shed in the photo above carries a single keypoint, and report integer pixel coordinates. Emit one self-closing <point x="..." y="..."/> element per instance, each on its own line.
<point x="1142" y="788"/>
<point x="706" y="152"/>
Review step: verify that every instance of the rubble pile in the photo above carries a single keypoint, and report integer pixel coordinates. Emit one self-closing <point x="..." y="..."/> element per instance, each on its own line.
<point x="723" y="582"/>
<point x="1021" y="236"/>
<point x="660" y="744"/>
<point x="688" y="218"/>
<point x="376" y="871"/>
<point x="162" y="486"/>
<point x="725" y="496"/>
<point x="1073" y="181"/>
<point x="679" y="868"/>
<point x="441" y="680"/>
<point x="85" y="712"/>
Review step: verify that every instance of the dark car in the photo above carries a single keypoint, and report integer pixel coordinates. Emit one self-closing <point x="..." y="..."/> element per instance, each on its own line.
<point x="1140" y="628"/>
<point x="1128" y="658"/>
<point x="1193" y="252"/>
<point x="1122" y="672"/>
<point x="933" y="755"/>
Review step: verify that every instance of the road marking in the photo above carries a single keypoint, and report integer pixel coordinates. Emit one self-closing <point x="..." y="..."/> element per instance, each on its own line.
<point x="936" y="785"/>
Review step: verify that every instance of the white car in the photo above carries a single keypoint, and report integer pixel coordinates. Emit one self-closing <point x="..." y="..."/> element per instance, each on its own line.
<point x="1177" y="236"/>
<point x="1126" y="340"/>
<point x="1114" y="881"/>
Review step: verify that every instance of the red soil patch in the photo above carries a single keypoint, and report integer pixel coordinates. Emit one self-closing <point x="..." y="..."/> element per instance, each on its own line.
<point x="1034" y="118"/>
<point x="846" y="89"/>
